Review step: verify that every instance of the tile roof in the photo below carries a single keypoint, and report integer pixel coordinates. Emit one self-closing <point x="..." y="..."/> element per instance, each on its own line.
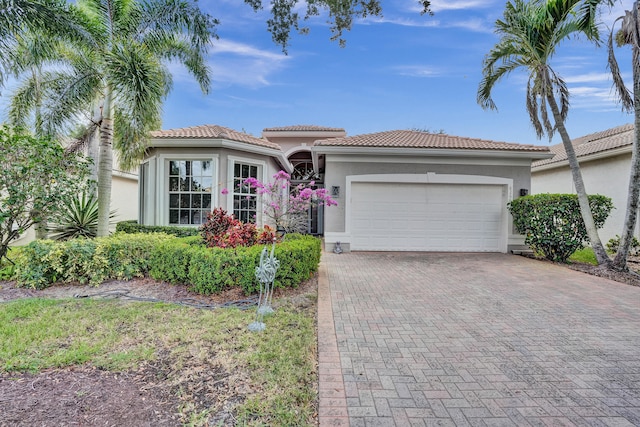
<point x="212" y="132"/>
<point x="416" y="139"/>
<point x="609" y="139"/>
<point x="302" y="128"/>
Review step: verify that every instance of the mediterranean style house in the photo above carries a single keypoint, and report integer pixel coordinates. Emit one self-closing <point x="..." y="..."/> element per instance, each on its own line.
<point x="605" y="162"/>
<point x="396" y="191"/>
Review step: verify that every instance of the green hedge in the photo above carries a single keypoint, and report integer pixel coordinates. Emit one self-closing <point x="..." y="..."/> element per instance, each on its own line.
<point x="211" y="270"/>
<point x="121" y="256"/>
<point x="552" y="223"/>
<point x="163" y="257"/>
<point x="132" y="227"/>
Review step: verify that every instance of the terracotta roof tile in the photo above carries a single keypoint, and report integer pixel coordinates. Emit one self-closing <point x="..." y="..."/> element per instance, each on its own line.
<point x="212" y="132"/>
<point x="609" y="139"/>
<point x="302" y="128"/>
<point x="416" y="139"/>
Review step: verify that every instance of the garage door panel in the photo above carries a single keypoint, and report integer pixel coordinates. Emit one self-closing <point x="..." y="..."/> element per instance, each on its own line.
<point x="426" y="217"/>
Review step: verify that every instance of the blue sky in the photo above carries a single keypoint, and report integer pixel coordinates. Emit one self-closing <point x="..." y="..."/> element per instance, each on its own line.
<point x="401" y="71"/>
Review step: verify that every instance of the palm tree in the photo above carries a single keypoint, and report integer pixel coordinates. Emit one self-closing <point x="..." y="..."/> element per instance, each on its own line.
<point x="628" y="35"/>
<point x="121" y="66"/>
<point x="530" y="33"/>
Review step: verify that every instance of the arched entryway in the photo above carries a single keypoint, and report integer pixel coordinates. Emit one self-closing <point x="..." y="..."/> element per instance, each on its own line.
<point x="305" y="173"/>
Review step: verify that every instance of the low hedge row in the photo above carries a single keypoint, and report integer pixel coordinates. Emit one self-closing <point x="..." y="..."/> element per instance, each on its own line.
<point x="132" y="227"/>
<point x="211" y="270"/>
<point x="163" y="257"/>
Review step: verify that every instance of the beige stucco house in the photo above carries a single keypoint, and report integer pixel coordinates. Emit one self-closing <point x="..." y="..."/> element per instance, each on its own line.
<point x="396" y="190"/>
<point x="605" y="161"/>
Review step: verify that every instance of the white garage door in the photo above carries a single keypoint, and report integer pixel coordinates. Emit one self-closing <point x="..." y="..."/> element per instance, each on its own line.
<point x="426" y="217"/>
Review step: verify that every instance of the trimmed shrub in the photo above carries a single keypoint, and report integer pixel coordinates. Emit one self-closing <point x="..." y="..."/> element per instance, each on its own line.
<point x="121" y="256"/>
<point x="132" y="227"/>
<point x="552" y="223"/>
<point x="614" y="243"/>
<point x="163" y="257"/>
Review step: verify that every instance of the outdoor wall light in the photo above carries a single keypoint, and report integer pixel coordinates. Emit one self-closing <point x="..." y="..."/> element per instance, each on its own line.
<point x="335" y="191"/>
<point x="524" y="191"/>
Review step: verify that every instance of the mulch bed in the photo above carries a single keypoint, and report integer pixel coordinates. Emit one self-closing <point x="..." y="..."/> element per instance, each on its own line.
<point x="149" y="396"/>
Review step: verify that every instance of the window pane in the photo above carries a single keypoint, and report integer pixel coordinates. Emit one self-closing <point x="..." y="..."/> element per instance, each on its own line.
<point x="174" y="184"/>
<point x="196" y="168"/>
<point x="207" y="183"/>
<point x="195" y="184"/>
<point x="182" y="165"/>
<point x="174" y="201"/>
<point x="206" y="201"/>
<point x="173" y="216"/>
<point x="184" y="217"/>
<point x="206" y="167"/>
<point x="236" y="169"/>
<point x="185" y="201"/>
<point x="254" y="171"/>
<point x="184" y="184"/>
<point x="174" y="169"/>
<point x="245" y="171"/>
<point x="196" y="201"/>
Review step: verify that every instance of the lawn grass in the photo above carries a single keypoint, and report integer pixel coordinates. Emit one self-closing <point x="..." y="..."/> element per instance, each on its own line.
<point x="279" y="363"/>
<point x="584" y="255"/>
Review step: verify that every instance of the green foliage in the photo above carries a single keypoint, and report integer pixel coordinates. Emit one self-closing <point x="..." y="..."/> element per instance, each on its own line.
<point x="584" y="255"/>
<point x="614" y="243"/>
<point x="121" y="256"/>
<point x="36" y="177"/>
<point x="552" y="223"/>
<point x="78" y="218"/>
<point x="163" y="257"/>
<point x="132" y="227"/>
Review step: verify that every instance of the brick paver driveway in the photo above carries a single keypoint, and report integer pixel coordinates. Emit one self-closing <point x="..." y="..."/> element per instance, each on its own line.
<point x="475" y="339"/>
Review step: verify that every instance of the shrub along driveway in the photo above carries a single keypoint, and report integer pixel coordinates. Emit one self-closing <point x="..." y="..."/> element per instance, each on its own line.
<point x="475" y="339"/>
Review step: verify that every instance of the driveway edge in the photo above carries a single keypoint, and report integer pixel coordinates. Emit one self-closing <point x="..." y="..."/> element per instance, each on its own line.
<point x="332" y="407"/>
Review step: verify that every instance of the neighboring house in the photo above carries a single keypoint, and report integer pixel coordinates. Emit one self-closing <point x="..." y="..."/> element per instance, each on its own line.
<point x="605" y="162"/>
<point x="396" y="190"/>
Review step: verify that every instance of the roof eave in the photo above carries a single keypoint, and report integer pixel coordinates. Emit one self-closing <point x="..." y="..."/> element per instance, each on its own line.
<point x="223" y="143"/>
<point x="587" y="158"/>
<point x="317" y="134"/>
<point x="433" y="152"/>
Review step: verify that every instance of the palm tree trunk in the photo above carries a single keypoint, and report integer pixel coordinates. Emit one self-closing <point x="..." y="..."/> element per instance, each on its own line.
<point x="105" y="166"/>
<point x="620" y="260"/>
<point x="583" y="200"/>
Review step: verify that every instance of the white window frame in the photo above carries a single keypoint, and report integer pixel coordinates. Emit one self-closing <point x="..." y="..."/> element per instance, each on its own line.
<point x="262" y="176"/>
<point x="163" y="174"/>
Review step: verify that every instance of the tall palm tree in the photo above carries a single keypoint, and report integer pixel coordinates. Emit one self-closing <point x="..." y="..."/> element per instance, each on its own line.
<point x="530" y="33"/>
<point x="629" y="34"/>
<point x="121" y="66"/>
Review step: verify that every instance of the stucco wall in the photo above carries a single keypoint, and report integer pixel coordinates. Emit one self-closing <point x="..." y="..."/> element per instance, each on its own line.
<point x="606" y="176"/>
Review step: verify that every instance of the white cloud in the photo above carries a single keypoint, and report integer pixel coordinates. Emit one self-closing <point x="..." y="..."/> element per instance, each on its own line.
<point x="417" y="71"/>
<point x="440" y="5"/>
<point x="589" y="78"/>
<point x="234" y="63"/>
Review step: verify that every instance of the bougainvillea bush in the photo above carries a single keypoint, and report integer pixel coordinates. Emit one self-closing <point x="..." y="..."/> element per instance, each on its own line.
<point x="287" y="205"/>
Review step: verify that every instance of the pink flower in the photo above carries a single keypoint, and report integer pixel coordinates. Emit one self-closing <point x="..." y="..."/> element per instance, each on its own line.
<point x="225" y="191"/>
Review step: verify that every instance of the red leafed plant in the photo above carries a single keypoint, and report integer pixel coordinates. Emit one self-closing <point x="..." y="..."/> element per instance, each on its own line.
<point x="224" y="231"/>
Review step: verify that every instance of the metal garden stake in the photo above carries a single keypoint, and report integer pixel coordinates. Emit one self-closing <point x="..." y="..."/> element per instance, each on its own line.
<point x="266" y="274"/>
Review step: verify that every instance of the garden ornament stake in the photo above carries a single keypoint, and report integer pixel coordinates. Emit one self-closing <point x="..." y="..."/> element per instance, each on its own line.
<point x="266" y="274"/>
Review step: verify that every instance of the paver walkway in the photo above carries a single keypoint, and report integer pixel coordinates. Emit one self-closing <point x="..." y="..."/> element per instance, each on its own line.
<point x="474" y="339"/>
